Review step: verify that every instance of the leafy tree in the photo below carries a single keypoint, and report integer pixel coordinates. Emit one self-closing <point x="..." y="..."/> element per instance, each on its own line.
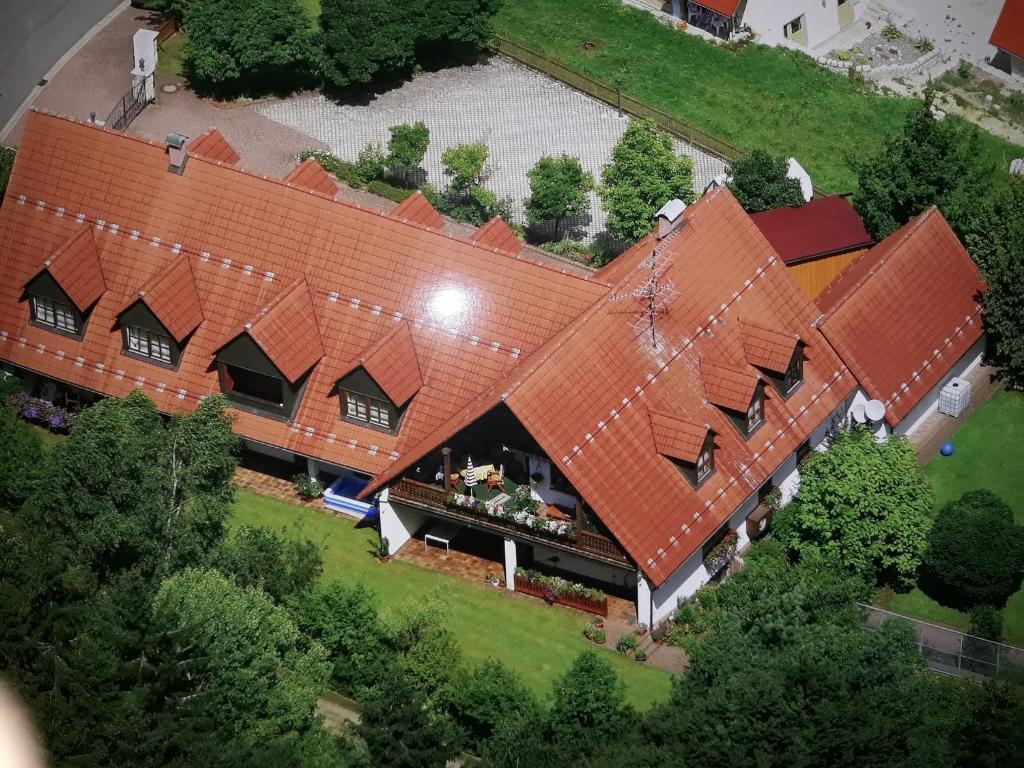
<point x="407" y="147"/>
<point x="996" y="241"/>
<point x="464" y="164"/>
<point x="645" y="173"/>
<point x="428" y="654"/>
<point x="343" y="618"/>
<point x="258" y="557"/>
<point x="760" y="182"/>
<point x="22" y="460"/>
<point x="558" y="190"/>
<point x="399" y="729"/>
<point x="589" y="707"/>
<point x="986" y="622"/>
<point x="6" y="166"/>
<point x="247" y="46"/>
<point x="487" y="697"/>
<point x="523" y="742"/>
<point x="233" y="672"/>
<point x="864" y="502"/>
<point x="975" y="550"/>
<point x="930" y="162"/>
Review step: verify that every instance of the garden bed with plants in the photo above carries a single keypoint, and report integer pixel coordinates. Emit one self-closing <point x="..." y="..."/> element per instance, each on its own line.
<point x="555" y="589"/>
<point x="36" y="410"/>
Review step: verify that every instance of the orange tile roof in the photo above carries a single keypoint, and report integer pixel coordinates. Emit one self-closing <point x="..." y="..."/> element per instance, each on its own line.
<point x="586" y="395"/>
<point x="310" y="175"/>
<point x="287" y="331"/>
<point x="246" y="239"/>
<point x="1008" y="32"/>
<point x="497" y="234"/>
<point x="905" y="312"/>
<point x="213" y="146"/>
<point x="728" y="386"/>
<point x="393" y="365"/>
<point x="677" y="438"/>
<point x="417" y="209"/>
<point x="768" y="348"/>
<point x="173" y="298"/>
<point x="76" y="267"/>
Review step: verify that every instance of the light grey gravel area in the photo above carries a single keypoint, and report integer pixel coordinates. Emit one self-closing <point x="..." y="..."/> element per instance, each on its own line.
<point x="519" y="113"/>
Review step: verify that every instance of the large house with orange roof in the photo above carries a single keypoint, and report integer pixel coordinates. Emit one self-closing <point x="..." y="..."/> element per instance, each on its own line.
<point x="1008" y="37"/>
<point x="646" y="413"/>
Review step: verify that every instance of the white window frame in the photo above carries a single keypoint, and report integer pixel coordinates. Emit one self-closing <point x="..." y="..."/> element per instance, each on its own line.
<point x="148" y="344"/>
<point x="789" y="30"/>
<point x="54" y="314"/>
<point x="370" y="410"/>
<point x="705" y="463"/>
<point x="756" y="407"/>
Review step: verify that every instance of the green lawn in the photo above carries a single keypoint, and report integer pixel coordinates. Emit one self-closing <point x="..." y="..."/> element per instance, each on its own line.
<point x="758" y="97"/>
<point x="171" y="54"/>
<point x="536" y="640"/>
<point x="989" y="453"/>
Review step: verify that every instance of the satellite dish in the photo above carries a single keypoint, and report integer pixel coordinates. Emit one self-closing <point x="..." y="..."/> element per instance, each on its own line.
<point x="858" y="413"/>
<point x="874" y="410"/>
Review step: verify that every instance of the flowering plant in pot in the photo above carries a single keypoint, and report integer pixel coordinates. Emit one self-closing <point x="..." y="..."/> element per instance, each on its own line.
<point x="590" y="631"/>
<point x="383" y="550"/>
<point x="640" y="629"/>
<point x="626" y="644"/>
<point x="600" y="637"/>
<point x="640" y="655"/>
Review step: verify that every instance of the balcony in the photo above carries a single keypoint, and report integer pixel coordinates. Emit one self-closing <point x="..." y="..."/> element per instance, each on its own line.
<point x="552" y="533"/>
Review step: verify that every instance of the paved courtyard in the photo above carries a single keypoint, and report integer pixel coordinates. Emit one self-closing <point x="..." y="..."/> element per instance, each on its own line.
<point x="519" y="113"/>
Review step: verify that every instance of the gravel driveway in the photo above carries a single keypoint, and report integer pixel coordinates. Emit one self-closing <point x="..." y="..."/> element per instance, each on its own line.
<point x="519" y="113"/>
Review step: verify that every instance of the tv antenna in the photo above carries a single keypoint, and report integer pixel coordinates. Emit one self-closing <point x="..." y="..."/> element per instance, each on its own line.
<point x="651" y="299"/>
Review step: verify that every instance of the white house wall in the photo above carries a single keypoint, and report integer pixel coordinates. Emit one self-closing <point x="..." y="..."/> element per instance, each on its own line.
<point x="930" y="403"/>
<point x="768" y="17"/>
<point x="397" y="522"/>
<point x="567" y="561"/>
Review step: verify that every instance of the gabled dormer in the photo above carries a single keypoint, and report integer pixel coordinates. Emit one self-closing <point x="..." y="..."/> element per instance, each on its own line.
<point x="738" y="392"/>
<point x="691" y="447"/>
<point x="158" y="322"/>
<point x="498" y="235"/>
<point x="265" y="367"/>
<point x="779" y="355"/>
<point x="376" y="389"/>
<point x="64" y="291"/>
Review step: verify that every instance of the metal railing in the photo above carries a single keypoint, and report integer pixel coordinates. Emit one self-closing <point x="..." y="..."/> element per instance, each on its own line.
<point x="953" y="652"/>
<point x="671" y="124"/>
<point x="129" y="107"/>
<point x="434" y="498"/>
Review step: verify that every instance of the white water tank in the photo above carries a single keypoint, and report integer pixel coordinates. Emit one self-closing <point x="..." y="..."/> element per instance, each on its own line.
<point x="955" y="396"/>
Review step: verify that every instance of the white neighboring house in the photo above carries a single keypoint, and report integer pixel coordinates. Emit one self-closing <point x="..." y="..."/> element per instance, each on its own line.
<point x="804" y="23"/>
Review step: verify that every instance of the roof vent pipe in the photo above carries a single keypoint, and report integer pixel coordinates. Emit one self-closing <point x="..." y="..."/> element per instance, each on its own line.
<point x="670" y="216"/>
<point x="176" y="152"/>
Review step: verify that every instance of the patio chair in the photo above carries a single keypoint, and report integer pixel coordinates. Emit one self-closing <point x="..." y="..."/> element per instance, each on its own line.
<point x="496" y="479"/>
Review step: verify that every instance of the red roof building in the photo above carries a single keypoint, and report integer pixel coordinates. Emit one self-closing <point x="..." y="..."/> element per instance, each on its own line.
<point x="905" y="313"/>
<point x="1008" y="33"/>
<point x="649" y="407"/>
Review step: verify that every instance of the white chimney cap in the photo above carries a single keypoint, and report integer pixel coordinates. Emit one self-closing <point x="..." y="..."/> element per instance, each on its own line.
<point x="858" y="413"/>
<point x="797" y="171"/>
<point x="671" y="210"/>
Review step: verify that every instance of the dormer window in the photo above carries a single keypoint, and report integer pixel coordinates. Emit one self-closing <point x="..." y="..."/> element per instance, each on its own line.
<point x="54" y="314"/>
<point x="370" y="410"/>
<point x="706" y="461"/>
<point x="755" y="411"/>
<point x="155" y="346"/>
<point x="691" y="447"/>
<point x="795" y="373"/>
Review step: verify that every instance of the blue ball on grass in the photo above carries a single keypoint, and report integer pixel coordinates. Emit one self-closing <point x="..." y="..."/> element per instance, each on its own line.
<point x="947" y="449"/>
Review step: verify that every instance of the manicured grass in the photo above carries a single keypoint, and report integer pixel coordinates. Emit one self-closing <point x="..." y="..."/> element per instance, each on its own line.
<point x="48" y="437"/>
<point x="171" y="55"/>
<point x="758" y="97"/>
<point x="312" y="7"/>
<point x="536" y="640"/>
<point x="989" y="448"/>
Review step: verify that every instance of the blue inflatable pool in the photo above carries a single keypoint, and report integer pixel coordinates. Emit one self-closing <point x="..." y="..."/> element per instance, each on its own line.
<point x="341" y="497"/>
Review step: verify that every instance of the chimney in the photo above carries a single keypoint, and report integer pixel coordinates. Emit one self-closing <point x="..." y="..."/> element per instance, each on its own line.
<point x="670" y="217"/>
<point x="176" y="152"/>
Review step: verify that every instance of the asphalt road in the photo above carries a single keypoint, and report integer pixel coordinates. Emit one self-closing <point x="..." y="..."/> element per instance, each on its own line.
<point x="34" y="34"/>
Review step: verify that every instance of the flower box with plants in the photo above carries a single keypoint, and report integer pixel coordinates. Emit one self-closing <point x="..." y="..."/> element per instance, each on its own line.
<point x="520" y="509"/>
<point x="555" y="589"/>
<point x="42" y="412"/>
<point x="721" y="553"/>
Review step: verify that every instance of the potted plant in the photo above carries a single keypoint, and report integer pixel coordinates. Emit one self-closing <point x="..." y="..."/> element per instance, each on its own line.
<point x="590" y="631"/>
<point x="640" y="629"/>
<point x="383" y="550"/>
<point x="626" y="643"/>
<point x="307" y="487"/>
<point x="493" y="580"/>
<point x="640" y="655"/>
<point x="600" y="636"/>
<point x="658" y="635"/>
<point x="598" y="620"/>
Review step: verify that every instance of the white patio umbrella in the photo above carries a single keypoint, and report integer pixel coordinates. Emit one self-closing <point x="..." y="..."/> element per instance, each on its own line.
<point x="470" y="475"/>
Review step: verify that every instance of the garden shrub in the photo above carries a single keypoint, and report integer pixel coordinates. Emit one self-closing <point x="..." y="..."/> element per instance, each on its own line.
<point x="975" y="551"/>
<point x="6" y="165"/>
<point x="986" y="622"/>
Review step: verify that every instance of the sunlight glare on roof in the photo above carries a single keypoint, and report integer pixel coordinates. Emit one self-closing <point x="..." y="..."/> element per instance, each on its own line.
<point x="448" y="305"/>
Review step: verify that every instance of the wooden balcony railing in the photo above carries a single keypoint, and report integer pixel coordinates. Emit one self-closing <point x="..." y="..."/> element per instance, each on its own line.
<point x="432" y="497"/>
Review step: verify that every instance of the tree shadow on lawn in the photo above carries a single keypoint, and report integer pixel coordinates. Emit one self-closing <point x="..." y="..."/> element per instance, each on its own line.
<point x="933" y="586"/>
